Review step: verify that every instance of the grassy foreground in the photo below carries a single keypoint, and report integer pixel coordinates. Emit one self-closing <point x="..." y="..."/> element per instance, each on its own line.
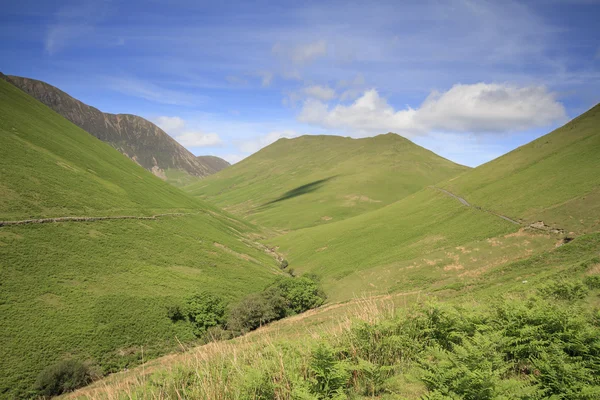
<point x="502" y="337"/>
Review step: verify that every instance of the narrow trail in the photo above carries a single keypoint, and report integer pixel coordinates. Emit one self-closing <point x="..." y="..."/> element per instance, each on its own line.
<point x="466" y="203"/>
<point x="86" y="219"/>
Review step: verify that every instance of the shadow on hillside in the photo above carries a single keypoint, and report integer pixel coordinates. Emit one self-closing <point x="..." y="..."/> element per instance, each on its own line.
<point x="300" y="190"/>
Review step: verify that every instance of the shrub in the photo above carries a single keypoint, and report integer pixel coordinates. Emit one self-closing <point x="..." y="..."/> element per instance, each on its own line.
<point x="329" y="377"/>
<point x="312" y="276"/>
<point x="205" y="310"/>
<point x="284" y="264"/>
<point x="592" y="281"/>
<point x="175" y="313"/>
<point x="216" y="334"/>
<point x="301" y="294"/>
<point x="64" y="376"/>
<point x="564" y="290"/>
<point x="251" y="313"/>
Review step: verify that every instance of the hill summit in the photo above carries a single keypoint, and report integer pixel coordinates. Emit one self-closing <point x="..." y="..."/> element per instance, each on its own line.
<point x="311" y="180"/>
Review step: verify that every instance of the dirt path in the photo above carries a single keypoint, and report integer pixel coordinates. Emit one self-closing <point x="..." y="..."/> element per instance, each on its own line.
<point x="84" y="219"/>
<point x="466" y="203"/>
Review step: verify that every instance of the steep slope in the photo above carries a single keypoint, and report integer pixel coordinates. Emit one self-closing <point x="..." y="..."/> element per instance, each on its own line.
<point x="135" y="137"/>
<point x="312" y="180"/>
<point x="216" y="164"/>
<point x="555" y="178"/>
<point x="431" y="235"/>
<point x="98" y="291"/>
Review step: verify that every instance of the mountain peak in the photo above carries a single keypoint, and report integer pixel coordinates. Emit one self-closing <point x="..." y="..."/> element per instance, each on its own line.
<point x="135" y="137"/>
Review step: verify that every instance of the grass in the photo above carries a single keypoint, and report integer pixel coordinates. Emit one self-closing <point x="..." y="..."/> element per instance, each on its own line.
<point x="51" y="168"/>
<point x="392" y="355"/>
<point x="364" y="219"/>
<point x="314" y="180"/>
<point x="180" y="178"/>
<point x="405" y="246"/>
<point x="554" y="178"/>
<point x="99" y="291"/>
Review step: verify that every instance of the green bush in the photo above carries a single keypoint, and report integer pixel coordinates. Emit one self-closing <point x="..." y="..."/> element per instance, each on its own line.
<point x="300" y="294"/>
<point x="205" y="310"/>
<point x="564" y="290"/>
<point x="285" y="297"/>
<point x="252" y="312"/>
<point x="175" y="313"/>
<point x="329" y="377"/>
<point x="592" y="281"/>
<point x="62" y="377"/>
<point x="284" y="264"/>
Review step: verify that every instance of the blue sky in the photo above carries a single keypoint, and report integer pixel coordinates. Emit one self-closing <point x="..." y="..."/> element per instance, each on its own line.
<point x="467" y="79"/>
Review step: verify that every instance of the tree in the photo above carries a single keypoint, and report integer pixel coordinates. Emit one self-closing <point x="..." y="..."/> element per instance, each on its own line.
<point x="252" y="312"/>
<point x="301" y="294"/>
<point x="205" y="310"/>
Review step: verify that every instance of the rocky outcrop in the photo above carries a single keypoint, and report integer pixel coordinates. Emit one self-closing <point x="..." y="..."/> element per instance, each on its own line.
<point x="135" y="137"/>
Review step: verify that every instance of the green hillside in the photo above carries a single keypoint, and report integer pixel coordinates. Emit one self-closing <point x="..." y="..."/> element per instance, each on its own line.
<point x="555" y="178"/>
<point x="51" y="168"/>
<point x="313" y="180"/>
<point x="98" y="291"/>
<point x="432" y="238"/>
<point x="425" y="239"/>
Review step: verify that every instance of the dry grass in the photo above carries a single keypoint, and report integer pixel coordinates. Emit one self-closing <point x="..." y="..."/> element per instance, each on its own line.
<point x="218" y="369"/>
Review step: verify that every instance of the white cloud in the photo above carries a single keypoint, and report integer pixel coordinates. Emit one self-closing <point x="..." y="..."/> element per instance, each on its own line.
<point x="236" y="80"/>
<point x="266" y="78"/>
<point x="303" y="53"/>
<point x="252" y="146"/>
<point x="59" y="35"/>
<point x="198" y="139"/>
<point x="324" y="93"/>
<point x="476" y="108"/>
<point x="174" y="126"/>
<point x="169" y="124"/>
<point x="72" y="23"/>
<point x="149" y="91"/>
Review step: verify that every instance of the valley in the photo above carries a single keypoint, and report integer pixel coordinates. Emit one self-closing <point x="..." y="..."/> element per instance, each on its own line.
<point x="303" y="201"/>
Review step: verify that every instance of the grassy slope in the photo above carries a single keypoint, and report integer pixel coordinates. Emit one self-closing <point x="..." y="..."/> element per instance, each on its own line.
<point x="428" y="242"/>
<point x="285" y="346"/>
<point x="310" y="180"/>
<point x="98" y="291"/>
<point x="555" y="178"/>
<point x="51" y="168"/>
<point x="409" y="245"/>
<point x="423" y="238"/>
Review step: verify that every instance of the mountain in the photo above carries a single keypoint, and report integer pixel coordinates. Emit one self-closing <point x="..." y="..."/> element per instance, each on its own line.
<point x="554" y="179"/>
<point x="433" y="238"/>
<point x="133" y="136"/>
<point x="98" y="289"/>
<point x="216" y="164"/>
<point x="312" y="180"/>
<point x="424" y="293"/>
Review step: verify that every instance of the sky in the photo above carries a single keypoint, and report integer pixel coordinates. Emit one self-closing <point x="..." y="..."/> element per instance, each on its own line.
<point x="467" y="79"/>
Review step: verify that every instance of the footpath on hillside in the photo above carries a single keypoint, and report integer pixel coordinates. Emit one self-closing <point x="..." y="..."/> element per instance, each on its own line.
<point x="466" y="203"/>
<point x="86" y="219"/>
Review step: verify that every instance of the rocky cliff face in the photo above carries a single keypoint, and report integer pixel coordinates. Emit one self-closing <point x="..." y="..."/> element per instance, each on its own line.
<point x="135" y="137"/>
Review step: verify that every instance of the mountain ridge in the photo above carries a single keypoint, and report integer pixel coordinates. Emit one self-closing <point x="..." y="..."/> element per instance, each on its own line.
<point x="133" y="136"/>
<point x="314" y="179"/>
